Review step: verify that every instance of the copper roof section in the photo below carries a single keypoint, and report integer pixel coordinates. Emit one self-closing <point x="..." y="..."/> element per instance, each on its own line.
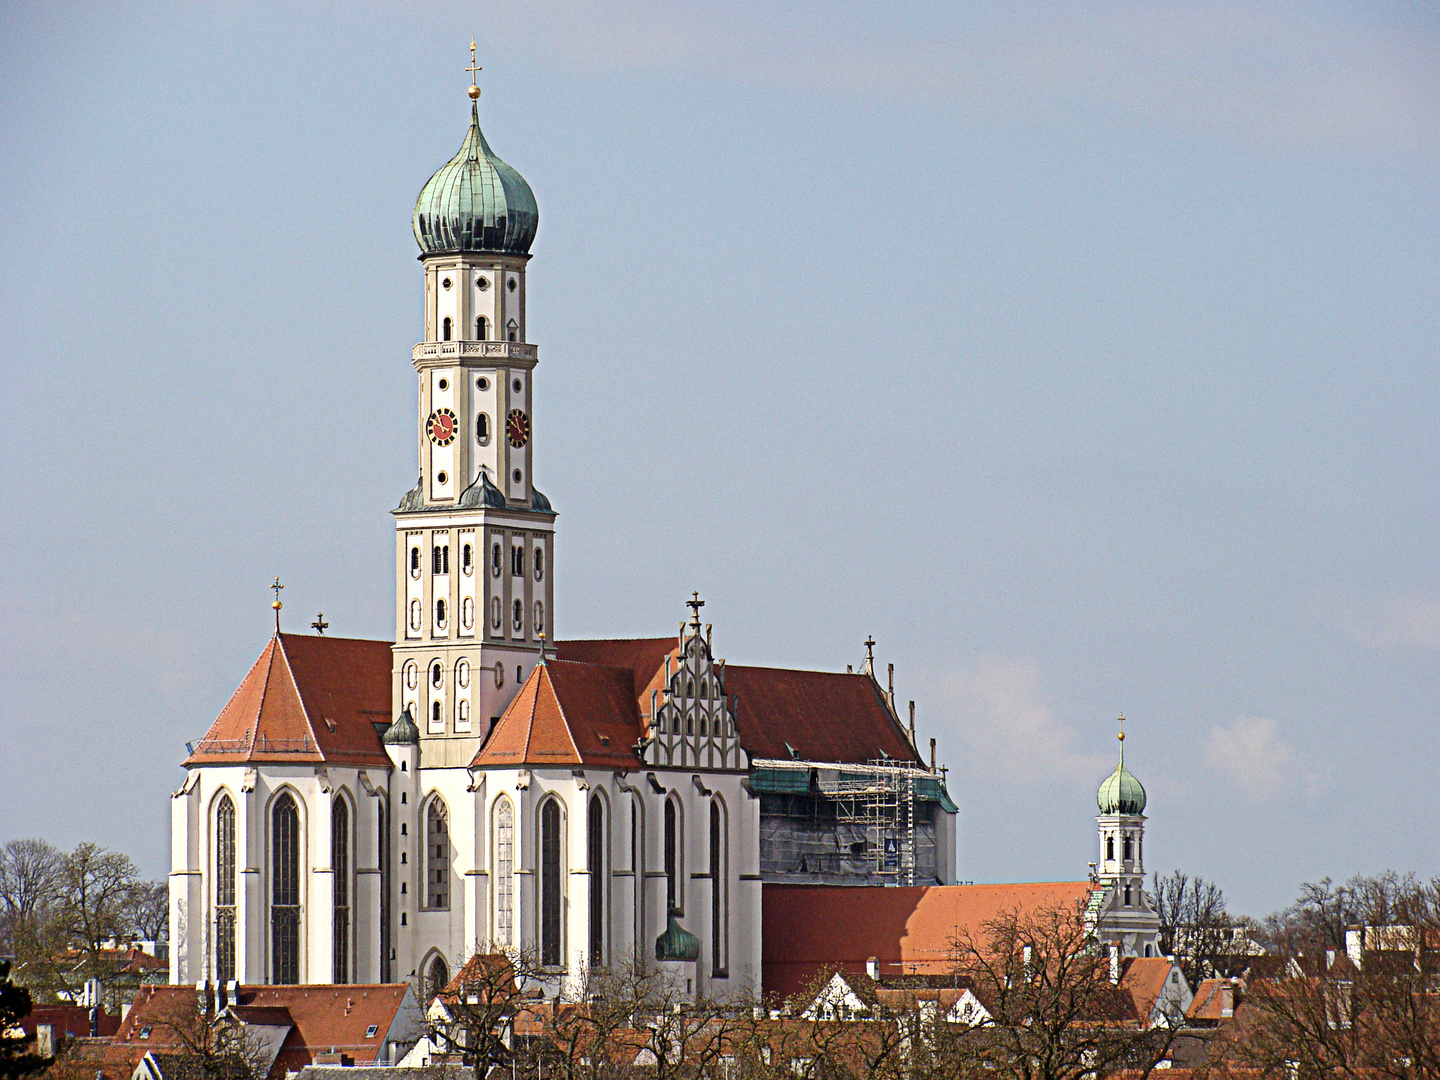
<point x="809" y="929"/>
<point x="567" y="713"/>
<point x="306" y="699"/>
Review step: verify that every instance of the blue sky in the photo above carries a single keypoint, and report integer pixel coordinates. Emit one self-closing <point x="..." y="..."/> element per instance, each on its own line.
<point x="1083" y="354"/>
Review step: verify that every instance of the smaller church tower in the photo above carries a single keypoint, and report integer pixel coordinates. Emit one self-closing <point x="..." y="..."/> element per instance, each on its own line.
<point x="1131" y="924"/>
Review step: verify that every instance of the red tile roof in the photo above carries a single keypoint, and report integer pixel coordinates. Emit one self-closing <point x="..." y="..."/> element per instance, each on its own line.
<point x="1143" y="978"/>
<point x="821" y="715"/>
<point x="305" y="699"/>
<point x="322" y="1018"/>
<point x="567" y="714"/>
<point x="810" y="929"/>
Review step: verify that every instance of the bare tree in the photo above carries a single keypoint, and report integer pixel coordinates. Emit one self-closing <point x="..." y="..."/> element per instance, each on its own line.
<point x="148" y="914"/>
<point x="31" y="874"/>
<point x="1054" y="1013"/>
<point x="1324" y="1014"/>
<point x="198" y="1042"/>
<point x="97" y="895"/>
<point x="473" y="1018"/>
<point x="1195" y="928"/>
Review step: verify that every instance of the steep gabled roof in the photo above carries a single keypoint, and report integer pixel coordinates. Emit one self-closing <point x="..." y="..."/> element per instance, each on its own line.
<point x="320" y="1018"/>
<point x="811" y="929"/>
<point x="1144" y="979"/>
<point x="305" y="699"/>
<point x="783" y="713"/>
<point x="567" y="713"/>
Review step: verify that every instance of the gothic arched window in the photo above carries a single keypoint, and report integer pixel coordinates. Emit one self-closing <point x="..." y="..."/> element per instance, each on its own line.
<point x="673" y="865"/>
<point x="437" y="977"/>
<point x="225" y="890"/>
<point x="445" y="335"/>
<point x="550" y="886"/>
<point x="383" y="846"/>
<point x="504" y="870"/>
<point x="598" y="883"/>
<point x="437" y="854"/>
<point x="340" y="876"/>
<point x="285" y="891"/>
<point x="719" y="836"/>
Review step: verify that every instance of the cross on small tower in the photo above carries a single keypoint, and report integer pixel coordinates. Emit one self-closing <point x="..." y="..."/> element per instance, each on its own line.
<point x="320" y="625"/>
<point x="695" y="604"/>
<point x="474" y="69"/>
<point x="870" y="655"/>
<point x="276" y="604"/>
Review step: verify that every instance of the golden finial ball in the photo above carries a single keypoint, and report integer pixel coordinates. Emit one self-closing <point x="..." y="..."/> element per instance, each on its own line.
<point x="474" y="91"/>
<point x="277" y="605"/>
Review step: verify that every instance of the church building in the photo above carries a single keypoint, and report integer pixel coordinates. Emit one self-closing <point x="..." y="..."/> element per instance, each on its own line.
<point x="376" y="811"/>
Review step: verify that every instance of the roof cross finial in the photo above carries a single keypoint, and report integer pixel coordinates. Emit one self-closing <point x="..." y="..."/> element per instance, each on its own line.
<point x="695" y="604"/>
<point x="1121" y="737"/>
<point x="276" y="604"/>
<point x="474" y="69"/>
<point x="320" y="625"/>
<point x="870" y="654"/>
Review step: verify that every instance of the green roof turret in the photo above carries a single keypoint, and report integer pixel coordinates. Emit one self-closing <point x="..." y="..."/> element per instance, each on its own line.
<point x="475" y="202"/>
<point x="1121" y="793"/>
<point x="676" y="943"/>
<point x="403" y="732"/>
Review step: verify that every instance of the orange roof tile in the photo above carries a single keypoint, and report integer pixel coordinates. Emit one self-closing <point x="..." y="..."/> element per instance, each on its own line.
<point x="809" y="929"/>
<point x="323" y="1018"/>
<point x="820" y="715"/>
<point x="567" y="713"/>
<point x="305" y="699"/>
<point x="1144" y="980"/>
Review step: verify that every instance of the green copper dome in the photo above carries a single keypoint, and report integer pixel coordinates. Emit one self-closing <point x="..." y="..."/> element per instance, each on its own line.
<point x="1121" y="793"/>
<point x="475" y="203"/>
<point x="676" y="943"/>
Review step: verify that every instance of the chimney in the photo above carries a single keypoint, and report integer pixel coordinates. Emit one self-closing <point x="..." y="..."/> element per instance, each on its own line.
<point x="913" y="742"/>
<point x="45" y="1040"/>
<point x="932" y="755"/>
<point x="94" y="1020"/>
<point x="872" y="968"/>
<point x="1227" y="998"/>
<point x="1115" y="964"/>
<point x="1355" y="944"/>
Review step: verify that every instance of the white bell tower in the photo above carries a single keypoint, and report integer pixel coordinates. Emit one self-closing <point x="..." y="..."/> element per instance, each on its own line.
<point x="474" y="538"/>
<point x="1130" y="923"/>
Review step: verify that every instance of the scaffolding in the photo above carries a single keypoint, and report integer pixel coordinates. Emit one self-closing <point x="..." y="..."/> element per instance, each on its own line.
<point x="876" y="800"/>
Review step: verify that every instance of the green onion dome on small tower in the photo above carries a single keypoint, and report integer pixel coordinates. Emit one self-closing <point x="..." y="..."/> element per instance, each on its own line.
<point x="475" y="202"/>
<point x="1121" y="793"/>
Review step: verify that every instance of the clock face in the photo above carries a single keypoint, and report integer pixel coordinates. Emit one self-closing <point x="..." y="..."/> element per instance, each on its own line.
<point x="441" y="427"/>
<point x="517" y="428"/>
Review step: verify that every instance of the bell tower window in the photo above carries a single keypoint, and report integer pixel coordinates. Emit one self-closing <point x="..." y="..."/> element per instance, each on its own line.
<point x="482" y="329"/>
<point x="447" y="327"/>
<point x="482" y="429"/>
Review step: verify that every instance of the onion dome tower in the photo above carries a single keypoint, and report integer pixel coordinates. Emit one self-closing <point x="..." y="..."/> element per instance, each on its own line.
<point x="474" y="538"/>
<point x="1121" y="869"/>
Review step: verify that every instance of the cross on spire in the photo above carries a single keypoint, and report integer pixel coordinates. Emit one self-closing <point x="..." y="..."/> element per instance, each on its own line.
<point x="870" y="654"/>
<point x="474" y="69"/>
<point x="276" y="604"/>
<point x="320" y="625"/>
<point x="695" y="604"/>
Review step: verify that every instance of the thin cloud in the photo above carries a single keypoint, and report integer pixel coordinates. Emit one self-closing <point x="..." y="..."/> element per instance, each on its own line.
<point x="1384" y="620"/>
<point x="1252" y="753"/>
<point x="1276" y="76"/>
<point x="1009" y="728"/>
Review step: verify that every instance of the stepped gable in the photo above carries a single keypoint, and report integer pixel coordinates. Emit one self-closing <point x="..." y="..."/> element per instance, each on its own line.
<point x="810" y="929"/>
<point x="567" y="713"/>
<point x="306" y="699"/>
<point x="821" y="715"/>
